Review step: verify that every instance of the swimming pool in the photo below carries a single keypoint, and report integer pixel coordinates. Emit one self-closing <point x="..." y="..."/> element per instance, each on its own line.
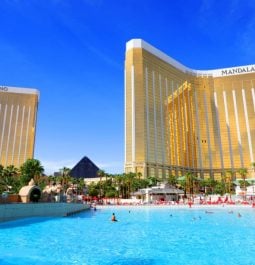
<point x="143" y="236"/>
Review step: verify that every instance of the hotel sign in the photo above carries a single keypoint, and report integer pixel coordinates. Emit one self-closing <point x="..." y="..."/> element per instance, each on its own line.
<point x="3" y="88"/>
<point x="238" y="70"/>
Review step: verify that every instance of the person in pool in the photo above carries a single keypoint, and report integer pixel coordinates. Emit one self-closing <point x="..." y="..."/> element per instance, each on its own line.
<point x="114" y="218"/>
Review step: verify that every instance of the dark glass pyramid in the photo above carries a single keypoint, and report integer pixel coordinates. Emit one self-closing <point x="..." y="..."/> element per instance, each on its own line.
<point x="85" y="168"/>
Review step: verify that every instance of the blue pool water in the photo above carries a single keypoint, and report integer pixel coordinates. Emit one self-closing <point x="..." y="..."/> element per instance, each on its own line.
<point x="140" y="237"/>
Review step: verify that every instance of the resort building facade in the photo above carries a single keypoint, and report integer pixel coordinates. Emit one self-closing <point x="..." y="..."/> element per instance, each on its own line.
<point x="180" y="120"/>
<point x="18" y="111"/>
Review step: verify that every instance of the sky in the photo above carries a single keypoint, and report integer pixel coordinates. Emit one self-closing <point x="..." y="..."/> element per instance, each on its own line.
<point x="73" y="52"/>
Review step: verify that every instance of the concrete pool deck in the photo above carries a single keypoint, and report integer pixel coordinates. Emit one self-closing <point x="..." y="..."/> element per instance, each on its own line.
<point x="12" y="211"/>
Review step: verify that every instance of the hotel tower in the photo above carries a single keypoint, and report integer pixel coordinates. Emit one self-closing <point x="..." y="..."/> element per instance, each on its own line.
<point x="18" y="109"/>
<point x="180" y="120"/>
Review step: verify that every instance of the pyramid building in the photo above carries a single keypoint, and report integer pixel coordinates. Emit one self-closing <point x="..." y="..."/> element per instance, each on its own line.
<point x="85" y="168"/>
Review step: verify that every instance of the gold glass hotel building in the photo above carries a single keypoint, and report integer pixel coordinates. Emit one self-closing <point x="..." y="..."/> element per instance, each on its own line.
<point x="18" y="109"/>
<point x="180" y="120"/>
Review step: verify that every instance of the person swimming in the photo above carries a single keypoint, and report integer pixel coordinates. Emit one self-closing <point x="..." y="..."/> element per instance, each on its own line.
<point x="114" y="218"/>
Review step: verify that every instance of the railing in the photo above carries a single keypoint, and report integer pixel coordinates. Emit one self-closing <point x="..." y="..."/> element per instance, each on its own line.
<point x="6" y="198"/>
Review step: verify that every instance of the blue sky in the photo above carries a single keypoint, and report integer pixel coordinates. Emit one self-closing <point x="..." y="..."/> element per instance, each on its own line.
<point x="73" y="51"/>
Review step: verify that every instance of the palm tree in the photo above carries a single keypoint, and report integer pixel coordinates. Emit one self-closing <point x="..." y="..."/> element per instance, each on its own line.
<point x="2" y="186"/>
<point x="65" y="171"/>
<point x="229" y="180"/>
<point x="189" y="183"/>
<point x="65" y="178"/>
<point x="31" y="169"/>
<point x="209" y="184"/>
<point x="1" y="169"/>
<point x="92" y="190"/>
<point x="101" y="174"/>
<point x="172" y="180"/>
<point x="253" y="166"/>
<point x="118" y="179"/>
<point x="139" y="175"/>
<point x="130" y="177"/>
<point x="9" y="178"/>
<point x="121" y="185"/>
<point x="223" y="182"/>
<point x="243" y="172"/>
<point x="124" y="185"/>
<point x="152" y="181"/>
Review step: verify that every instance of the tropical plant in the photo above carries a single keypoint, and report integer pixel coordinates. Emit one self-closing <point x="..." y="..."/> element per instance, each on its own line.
<point x="65" y="179"/>
<point x="253" y="166"/>
<point x="153" y="181"/>
<point x="209" y="185"/>
<point x="101" y="174"/>
<point x="188" y="183"/>
<point x="9" y="179"/>
<point x="129" y="181"/>
<point x="117" y="183"/>
<point x="31" y="169"/>
<point x="219" y="188"/>
<point x="243" y="184"/>
<point x="243" y="173"/>
<point x="93" y="191"/>
<point x="229" y="181"/>
<point x="111" y="194"/>
<point x="172" y="180"/>
<point x="139" y="175"/>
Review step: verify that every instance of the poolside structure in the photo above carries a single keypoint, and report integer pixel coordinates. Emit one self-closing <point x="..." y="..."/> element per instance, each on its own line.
<point x="30" y="193"/>
<point x="161" y="193"/>
<point x="180" y="120"/>
<point x="18" y="112"/>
